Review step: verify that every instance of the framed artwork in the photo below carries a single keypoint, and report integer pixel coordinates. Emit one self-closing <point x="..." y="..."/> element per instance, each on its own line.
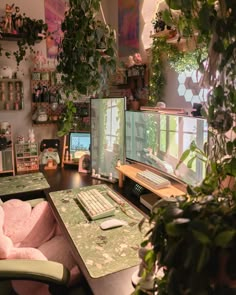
<point x="54" y="16"/>
<point x="128" y="27"/>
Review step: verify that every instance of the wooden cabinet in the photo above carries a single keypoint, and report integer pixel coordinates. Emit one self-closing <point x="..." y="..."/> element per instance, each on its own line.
<point x="27" y="157"/>
<point x="7" y="162"/>
<point x="45" y="84"/>
<point x="11" y="95"/>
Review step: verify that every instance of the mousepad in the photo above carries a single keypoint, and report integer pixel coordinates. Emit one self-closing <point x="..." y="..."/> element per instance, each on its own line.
<point x="22" y="183"/>
<point x="103" y="251"/>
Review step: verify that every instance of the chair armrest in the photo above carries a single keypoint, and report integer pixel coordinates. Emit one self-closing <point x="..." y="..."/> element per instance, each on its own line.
<point x="45" y="271"/>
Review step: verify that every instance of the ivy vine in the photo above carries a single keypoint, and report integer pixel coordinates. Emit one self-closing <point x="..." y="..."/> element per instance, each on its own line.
<point x="180" y="61"/>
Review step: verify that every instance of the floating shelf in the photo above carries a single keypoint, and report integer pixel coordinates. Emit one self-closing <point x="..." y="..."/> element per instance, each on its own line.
<point x="13" y="37"/>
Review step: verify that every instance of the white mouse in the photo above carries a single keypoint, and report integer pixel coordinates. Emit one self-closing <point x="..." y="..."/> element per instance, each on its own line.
<point x="111" y="223"/>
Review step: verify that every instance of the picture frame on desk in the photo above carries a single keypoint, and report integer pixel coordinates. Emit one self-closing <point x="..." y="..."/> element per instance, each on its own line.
<point x="84" y="164"/>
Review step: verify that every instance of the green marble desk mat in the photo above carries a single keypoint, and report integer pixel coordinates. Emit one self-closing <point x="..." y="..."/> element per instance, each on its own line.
<point x="103" y="251"/>
<point x="22" y="183"/>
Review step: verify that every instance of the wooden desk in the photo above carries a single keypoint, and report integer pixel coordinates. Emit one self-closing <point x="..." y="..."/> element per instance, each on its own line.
<point x="83" y="236"/>
<point x="131" y="172"/>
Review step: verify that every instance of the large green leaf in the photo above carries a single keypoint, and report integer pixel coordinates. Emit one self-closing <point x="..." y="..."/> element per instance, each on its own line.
<point x="224" y="238"/>
<point x="201" y="237"/>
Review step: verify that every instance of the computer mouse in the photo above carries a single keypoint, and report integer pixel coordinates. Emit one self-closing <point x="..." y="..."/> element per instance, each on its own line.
<point x="112" y="223"/>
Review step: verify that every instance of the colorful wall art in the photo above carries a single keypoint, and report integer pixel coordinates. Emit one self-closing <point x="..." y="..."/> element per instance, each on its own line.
<point x="128" y="31"/>
<point x="54" y="15"/>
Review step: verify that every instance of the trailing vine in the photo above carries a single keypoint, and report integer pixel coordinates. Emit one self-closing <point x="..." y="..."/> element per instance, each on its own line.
<point x="31" y="31"/>
<point x="160" y="50"/>
<point x="178" y="60"/>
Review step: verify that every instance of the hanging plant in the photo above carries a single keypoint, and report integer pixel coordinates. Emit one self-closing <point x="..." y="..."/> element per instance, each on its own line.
<point x="180" y="61"/>
<point x="193" y="237"/>
<point x="87" y="53"/>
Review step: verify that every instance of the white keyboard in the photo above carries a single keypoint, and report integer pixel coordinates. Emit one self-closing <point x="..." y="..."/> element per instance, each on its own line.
<point x="154" y="180"/>
<point x="95" y="204"/>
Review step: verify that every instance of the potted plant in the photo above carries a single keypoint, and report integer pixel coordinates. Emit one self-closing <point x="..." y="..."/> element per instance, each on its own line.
<point x="87" y="54"/>
<point x="28" y="33"/>
<point x="193" y="237"/>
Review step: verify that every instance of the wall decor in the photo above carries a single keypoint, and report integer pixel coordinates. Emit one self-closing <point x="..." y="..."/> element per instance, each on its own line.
<point x="54" y="15"/>
<point x="128" y="27"/>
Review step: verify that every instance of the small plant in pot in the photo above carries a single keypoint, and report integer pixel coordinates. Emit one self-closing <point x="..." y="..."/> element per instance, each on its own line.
<point x="29" y="32"/>
<point x="193" y="237"/>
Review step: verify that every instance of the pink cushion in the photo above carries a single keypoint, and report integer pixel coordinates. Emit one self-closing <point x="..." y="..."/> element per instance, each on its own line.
<point x="1" y="219"/>
<point x="5" y="246"/>
<point x="26" y="253"/>
<point x="30" y="287"/>
<point x="42" y="226"/>
<point x="28" y="227"/>
<point x="17" y="213"/>
<point x="5" y="242"/>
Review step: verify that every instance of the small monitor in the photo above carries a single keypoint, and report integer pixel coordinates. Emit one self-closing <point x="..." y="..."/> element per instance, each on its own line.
<point x="79" y="144"/>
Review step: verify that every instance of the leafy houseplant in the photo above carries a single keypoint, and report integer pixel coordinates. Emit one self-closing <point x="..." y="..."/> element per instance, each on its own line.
<point x="180" y="61"/>
<point x="193" y="237"/>
<point x="30" y="32"/>
<point x="87" y="54"/>
<point x="88" y="48"/>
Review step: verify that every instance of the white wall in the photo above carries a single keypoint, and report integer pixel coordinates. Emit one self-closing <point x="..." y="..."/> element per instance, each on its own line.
<point x="21" y="120"/>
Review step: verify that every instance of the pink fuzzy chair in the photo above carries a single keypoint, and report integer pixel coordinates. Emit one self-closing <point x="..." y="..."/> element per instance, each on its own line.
<point x="32" y="234"/>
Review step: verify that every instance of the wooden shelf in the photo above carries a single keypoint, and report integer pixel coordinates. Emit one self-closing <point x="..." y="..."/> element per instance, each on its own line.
<point x="131" y="171"/>
<point x="27" y="157"/>
<point x="13" y="37"/>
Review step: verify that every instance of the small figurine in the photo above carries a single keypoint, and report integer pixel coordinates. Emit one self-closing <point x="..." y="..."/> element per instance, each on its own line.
<point x="17" y="19"/>
<point x="130" y="61"/>
<point x="8" y="18"/>
<point x="137" y="59"/>
<point x="31" y="136"/>
<point x="39" y="60"/>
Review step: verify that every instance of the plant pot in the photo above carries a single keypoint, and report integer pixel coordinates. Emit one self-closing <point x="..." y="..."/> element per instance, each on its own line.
<point x="143" y="101"/>
<point x="134" y="105"/>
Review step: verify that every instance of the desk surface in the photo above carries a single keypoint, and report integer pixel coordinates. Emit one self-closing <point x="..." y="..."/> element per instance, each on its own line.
<point x="106" y="258"/>
<point x="22" y="183"/>
<point x="118" y="283"/>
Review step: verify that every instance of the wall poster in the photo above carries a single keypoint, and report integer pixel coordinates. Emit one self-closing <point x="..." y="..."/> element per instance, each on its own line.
<point x="128" y="27"/>
<point x="54" y="15"/>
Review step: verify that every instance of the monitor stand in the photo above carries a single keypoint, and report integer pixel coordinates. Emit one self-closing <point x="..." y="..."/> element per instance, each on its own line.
<point x="148" y="200"/>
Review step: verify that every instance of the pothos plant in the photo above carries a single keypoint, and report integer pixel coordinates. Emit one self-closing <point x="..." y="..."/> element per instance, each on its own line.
<point x="193" y="237"/>
<point x="30" y="32"/>
<point x="164" y="53"/>
<point x="87" y="54"/>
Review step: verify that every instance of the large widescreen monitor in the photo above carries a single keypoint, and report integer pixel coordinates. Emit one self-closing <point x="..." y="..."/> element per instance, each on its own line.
<point x="158" y="140"/>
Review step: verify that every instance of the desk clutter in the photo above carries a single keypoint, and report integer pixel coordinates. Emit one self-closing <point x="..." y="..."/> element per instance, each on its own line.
<point x="103" y="251"/>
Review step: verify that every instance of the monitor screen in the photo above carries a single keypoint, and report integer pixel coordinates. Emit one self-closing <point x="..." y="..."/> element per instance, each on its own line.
<point x="79" y="142"/>
<point x="107" y="130"/>
<point x="158" y="140"/>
